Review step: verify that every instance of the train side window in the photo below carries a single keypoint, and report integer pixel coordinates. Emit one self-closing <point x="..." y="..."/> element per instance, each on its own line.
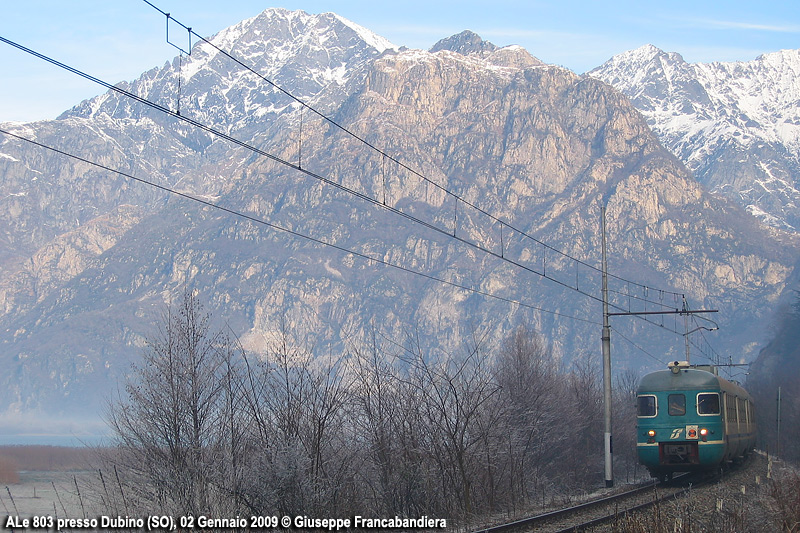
<point x="646" y="406"/>
<point x="730" y="407"/>
<point x="708" y="403"/>
<point x="677" y="404"/>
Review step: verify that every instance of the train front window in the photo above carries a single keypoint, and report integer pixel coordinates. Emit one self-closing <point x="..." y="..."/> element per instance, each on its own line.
<point x="708" y="404"/>
<point x="677" y="404"/>
<point x="646" y="406"/>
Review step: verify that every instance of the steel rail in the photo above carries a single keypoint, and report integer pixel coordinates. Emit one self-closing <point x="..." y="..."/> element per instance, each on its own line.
<point x="641" y="506"/>
<point x="536" y="520"/>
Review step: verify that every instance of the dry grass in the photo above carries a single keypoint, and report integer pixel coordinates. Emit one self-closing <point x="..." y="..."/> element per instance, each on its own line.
<point x="785" y="495"/>
<point x="43" y="458"/>
<point x="9" y="470"/>
<point x="749" y="502"/>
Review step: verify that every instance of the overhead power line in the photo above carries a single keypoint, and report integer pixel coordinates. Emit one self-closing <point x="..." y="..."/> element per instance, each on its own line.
<point x="365" y="197"/>
<point x="641" y="349"/>
<point x="295" y="167"/>
<point x="457" y="198"/>
<point x="294" y="233"/>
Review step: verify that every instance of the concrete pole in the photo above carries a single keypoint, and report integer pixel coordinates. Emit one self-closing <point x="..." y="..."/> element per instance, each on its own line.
<point x="609" y="463"/>
<point x="778" y="420"/>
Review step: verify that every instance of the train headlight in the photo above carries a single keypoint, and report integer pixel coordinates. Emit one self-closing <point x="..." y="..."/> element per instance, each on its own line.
<point x="651" y="433"/>
<point x="704" y="434"/>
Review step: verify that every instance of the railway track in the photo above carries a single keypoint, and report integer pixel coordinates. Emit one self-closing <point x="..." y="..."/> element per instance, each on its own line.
<point x="596" y="512"/>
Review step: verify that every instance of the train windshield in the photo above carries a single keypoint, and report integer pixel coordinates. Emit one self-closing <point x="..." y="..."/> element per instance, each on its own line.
<point x="677" y="404"/>
<point x="708" y="404"/>
<point x="646" y="406"/>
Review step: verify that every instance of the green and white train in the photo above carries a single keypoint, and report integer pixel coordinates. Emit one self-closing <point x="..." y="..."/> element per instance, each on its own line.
<point x="689" y="419"/>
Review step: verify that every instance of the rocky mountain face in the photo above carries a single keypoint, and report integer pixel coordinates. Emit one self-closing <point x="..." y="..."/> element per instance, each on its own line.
<point x="735" y="125"/>
<point x="90" y="258"/>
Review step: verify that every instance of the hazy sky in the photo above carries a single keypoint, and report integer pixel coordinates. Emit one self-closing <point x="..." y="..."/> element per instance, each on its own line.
<point x="119" y="40"/>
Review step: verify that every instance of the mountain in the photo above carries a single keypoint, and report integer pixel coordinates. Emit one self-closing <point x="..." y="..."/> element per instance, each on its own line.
<point x="59" y="217"/>
<point x="735" y="125"/>
<point x="772" y="380"/>
<point x="92" y="258"/>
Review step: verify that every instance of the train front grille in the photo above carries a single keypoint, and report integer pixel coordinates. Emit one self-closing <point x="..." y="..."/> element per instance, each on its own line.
<point x="678" y="453"/>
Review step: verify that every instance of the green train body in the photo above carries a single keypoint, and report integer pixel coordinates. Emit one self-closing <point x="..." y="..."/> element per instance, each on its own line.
<point x="690" y="419"/>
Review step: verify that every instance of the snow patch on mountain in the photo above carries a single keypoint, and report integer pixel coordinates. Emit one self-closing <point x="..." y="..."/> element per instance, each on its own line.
<point x="229" y="82"/>
<point x="372" y="39"/>
<point x="535" y="145"/>
<point x="729" y="122"/>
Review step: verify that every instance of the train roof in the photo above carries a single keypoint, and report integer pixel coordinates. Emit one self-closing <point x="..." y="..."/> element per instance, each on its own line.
<point x="686" y="379"/>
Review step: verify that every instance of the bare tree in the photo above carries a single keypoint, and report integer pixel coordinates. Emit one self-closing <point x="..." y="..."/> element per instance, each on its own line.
<point x="375" y="413"/>
<point x="454" y="394"/>
<point x="624" y="410"/>
<point x="388" y="419"/>
<point x="298" y="405"/>
<point x="531" y="402"/>
<point x="775" y="370"/>
<point x="583" y="417"/>
<point x="205" y="428"/>
<point x="177" y="425"/>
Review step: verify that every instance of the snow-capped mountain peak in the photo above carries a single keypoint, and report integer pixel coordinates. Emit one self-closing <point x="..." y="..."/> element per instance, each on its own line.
<point x="381" y="44"/>
<point x="300" y="52"/>
<point x="89" y="257"/>
<point x="735" y="124"/>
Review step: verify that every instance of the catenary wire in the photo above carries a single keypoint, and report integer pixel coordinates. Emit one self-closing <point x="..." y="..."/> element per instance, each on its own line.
<point x="289" y="164"/>
<point x="294" y="233"/>
<point x="382" y="153"/>
<point x="385" y="156"/>
<point x="341" y="187"/>
<point x="648" y="354"/>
